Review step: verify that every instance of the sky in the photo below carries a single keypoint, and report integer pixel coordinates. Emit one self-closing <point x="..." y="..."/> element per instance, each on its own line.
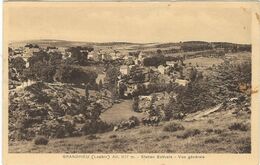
<point x="129" y="22"/>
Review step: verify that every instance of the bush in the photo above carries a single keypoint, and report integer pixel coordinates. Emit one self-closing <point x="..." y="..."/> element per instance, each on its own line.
<point x="172" y="127"/>
<point x="164" y="137"/>
<point x="218" y="131"/>
<point x="96" y="126"/>
<point x="41" y="140"/>
<point x="135" y="119"/>
<point x="64" y="130"/>
<point x="92" y="137"/>
<point x="189" y="133"/>
<point x="246" y="145"/>
<point x="239" y="126"/>
<point x="212" y="140"/>
<point x="210" y="121"/>
<point x="60" y="132"/>
<point x="209" y="130"/>
<point x="145" y="131"/>
<point x="112" y="136"/>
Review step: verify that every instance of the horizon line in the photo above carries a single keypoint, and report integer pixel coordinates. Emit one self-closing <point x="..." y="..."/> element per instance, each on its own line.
<point x="130" y="42"/>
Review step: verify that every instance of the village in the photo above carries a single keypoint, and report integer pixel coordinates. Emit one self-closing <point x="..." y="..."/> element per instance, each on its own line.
<point x="58" y="90"/>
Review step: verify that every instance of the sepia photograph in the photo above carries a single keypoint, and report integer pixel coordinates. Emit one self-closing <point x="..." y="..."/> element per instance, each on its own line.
<point x="129" y="78"/>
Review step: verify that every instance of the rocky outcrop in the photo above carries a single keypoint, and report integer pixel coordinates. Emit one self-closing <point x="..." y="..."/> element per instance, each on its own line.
<point x="51" y="110"/>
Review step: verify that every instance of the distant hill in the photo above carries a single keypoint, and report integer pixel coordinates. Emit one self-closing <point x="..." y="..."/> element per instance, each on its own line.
<point x="119" y="45"/>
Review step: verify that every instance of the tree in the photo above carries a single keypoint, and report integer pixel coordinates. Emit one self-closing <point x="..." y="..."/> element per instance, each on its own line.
<point x="40" y="56"/>
<point x="55" y="58"/>
<point x="135" y="105"/>
<point x="122" y="88"/>
<point x="154" y="61"/>
<point x="138" y="77"/>
<point x="70" y="74"/>
<point x="159" y="51"/>
<point x="100" y="85"/>
<point x="112" y="75"/>
<point x="18" y="63"/>
<point x="32" y="46"/>
<point x="80" y="54"/>
<point x="140" y="90"/>
<point x="171" y="108"/>
<point x="46" y="73"/>
<point x="87" y="92"/>
<point x="193" y="74"/>
<point x="153" y="107"/>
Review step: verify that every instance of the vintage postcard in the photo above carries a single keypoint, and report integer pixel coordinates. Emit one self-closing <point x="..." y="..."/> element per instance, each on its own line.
<point x="128" y="83"/>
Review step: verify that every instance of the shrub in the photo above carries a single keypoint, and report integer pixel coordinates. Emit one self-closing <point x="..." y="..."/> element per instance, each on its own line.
<point x="145" y="131"/>
<point x="92" y="137"/>
<point x="239" y="126"/>
<point x="218" y="131"/>
<point x="41" y="140"/>
<point x="96" y="126"/>
<point x="209" y="130"/>
<point x="246" y="145"/>
<point x="212" y="140"/>
<point x="135" y="119"/>
<point x="172" y="127"/>
<point x="135" y="105"/>
<point x="210" y="121"/>
<point x="164" y="137"/>
<point x="60" y="132"/>
<point x="64" y="130"/>
<point x="112" y="136"/>
<point x="189" y="133"/>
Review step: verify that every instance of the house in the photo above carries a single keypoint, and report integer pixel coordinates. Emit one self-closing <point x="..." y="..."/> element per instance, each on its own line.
<point x="62" y="50"/>
<point x="139" y="60"/>
<point x="91" y="55"/>
<point x="130" y="89"/>
<point x="175" y="74"/>
<point x="113" y="55"/>
<point x="171" y="63"/>
<point x="27" y="64"/>
<point x="146" y="84"/>
<point x="126" y="57"/>
<point x="162" y="78"/>
<point x="100" y="77"/>
<point x="66" y="55"/>
<point x="161" y="69"/>
<point x="17" y="52"/>
<point x="144" y="103"/>
<point x="28" y="52"/>
<point x="124" y="69"/>
<point x="149" y="97"/>
<point x="141" y="56"/>
<point x="51" y="49"/>
<point x="182" y="82"/>
<point x="106" y="57"/>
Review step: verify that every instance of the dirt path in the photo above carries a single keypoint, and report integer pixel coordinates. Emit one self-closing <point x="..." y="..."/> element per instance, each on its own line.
<point x="119" y="112"/>
<point x="199" y="115"/>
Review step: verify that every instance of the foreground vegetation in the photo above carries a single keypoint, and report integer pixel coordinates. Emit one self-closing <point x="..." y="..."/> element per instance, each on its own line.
<point x="210" y="135"/>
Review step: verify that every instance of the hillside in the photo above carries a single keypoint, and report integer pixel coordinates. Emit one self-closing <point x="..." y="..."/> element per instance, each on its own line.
<point x="120" y="97"/>
<point x="211" y="134"/>
<point x="54" y="110"/>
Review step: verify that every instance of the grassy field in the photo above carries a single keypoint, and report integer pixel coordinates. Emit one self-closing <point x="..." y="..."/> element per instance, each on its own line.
<point x="239" y="57"/>
<point x="211" y="134"/>
<point x="203" y="61"/>
<point x="119" y="112"/>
